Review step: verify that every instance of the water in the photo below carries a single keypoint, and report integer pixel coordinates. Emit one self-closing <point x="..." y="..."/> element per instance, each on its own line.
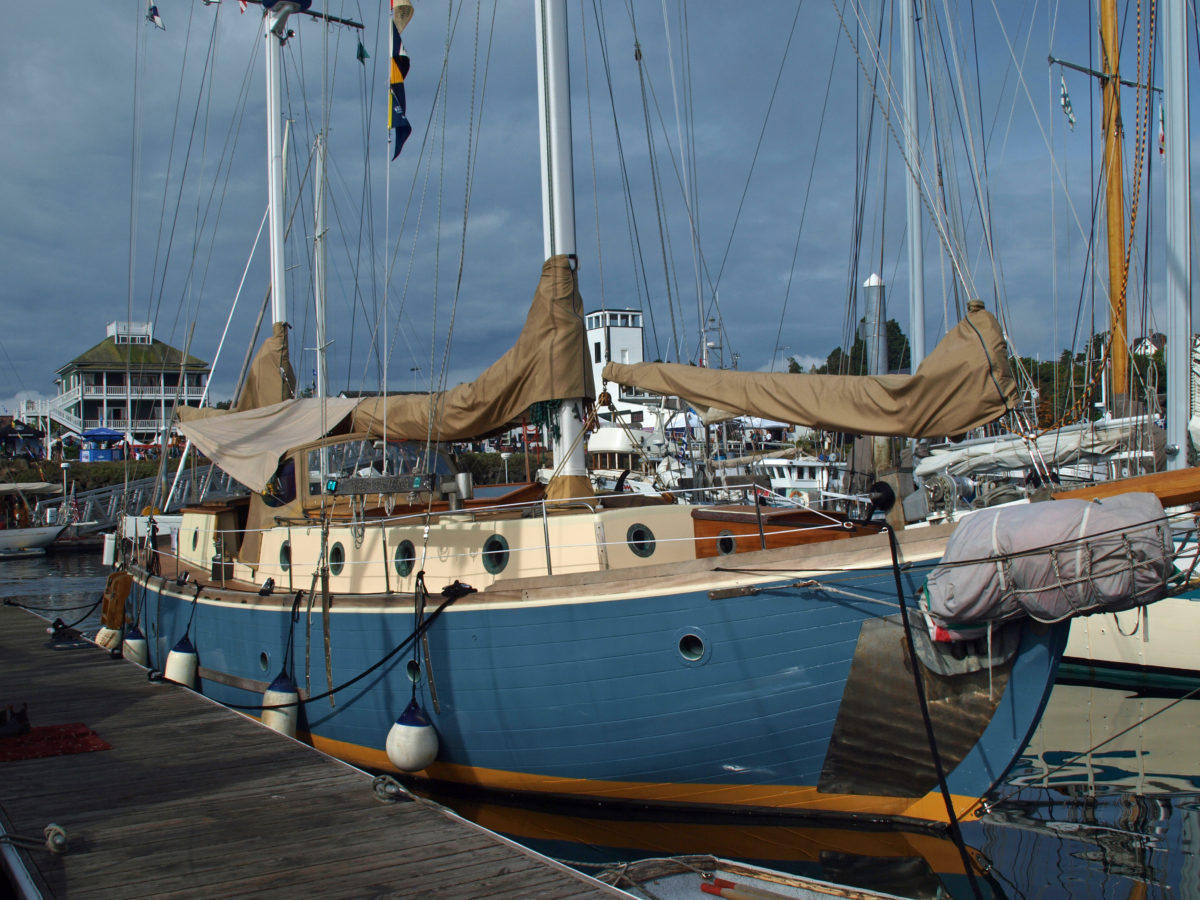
<point x="1122" y="821"/>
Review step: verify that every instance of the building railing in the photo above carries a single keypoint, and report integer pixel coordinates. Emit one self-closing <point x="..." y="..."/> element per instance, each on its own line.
<point x="169" y="392"/>
<point x="126" y="424"/>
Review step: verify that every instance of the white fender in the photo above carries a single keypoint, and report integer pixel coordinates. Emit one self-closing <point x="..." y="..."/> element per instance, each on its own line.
<point x="134" y="646"/>
<point x="108" y="638"/>
<point x="283" y="720"/>
<point x="182" y="663"/>
<point x="412" y="743"/>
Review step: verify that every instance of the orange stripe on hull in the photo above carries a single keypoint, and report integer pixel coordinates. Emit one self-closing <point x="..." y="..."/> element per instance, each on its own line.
<point x="930" y="808"/>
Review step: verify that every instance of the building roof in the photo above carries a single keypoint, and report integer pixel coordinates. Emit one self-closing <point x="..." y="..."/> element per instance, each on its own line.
<point x="110" y="355"/>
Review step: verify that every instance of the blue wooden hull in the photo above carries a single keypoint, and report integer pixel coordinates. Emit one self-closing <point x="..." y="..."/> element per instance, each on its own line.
<point x="651" y="698"/>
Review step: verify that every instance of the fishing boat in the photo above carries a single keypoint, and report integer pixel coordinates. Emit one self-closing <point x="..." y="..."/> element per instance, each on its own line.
<point x="556" y="642"/>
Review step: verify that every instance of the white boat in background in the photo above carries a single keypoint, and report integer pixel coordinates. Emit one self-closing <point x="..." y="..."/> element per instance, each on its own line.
<point x="16" y="543"/>
<point x="801" y="478"/>
<point x="28" y="538"/>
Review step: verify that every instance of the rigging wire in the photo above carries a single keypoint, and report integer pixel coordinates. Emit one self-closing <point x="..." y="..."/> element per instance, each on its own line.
<point x="812" y="168"/>
<point x="641" y="279"/>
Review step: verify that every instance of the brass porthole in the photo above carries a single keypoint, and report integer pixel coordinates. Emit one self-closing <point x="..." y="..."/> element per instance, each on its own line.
<point x="640" y="539"/>
<point x="495" y="554"/>
<point x="404" y="558"/>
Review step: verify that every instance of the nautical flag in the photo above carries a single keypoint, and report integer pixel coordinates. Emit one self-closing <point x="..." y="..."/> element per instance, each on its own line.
<point x="242" y="4"/>
<point x="402" y="12"/>
<point x="153" y="16"/>
<point x="361" y="54"/>
<point x="1065" y="99"/>
<point x="1162" y="134"/>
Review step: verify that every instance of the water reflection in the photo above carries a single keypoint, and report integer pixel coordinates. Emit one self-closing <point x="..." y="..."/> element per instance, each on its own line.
<point x="1105" y="802"/>
<point x="906" y="863"/>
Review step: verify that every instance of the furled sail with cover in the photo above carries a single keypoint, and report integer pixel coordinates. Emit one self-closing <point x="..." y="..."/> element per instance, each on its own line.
<point x="547" y="362"/>
<point x="964" y="383"/>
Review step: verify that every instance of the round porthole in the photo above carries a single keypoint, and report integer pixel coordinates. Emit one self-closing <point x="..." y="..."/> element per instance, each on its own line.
<point x="337" y="559"/>
<point x="285" y="555"/>
<point x="264" y="661"/>
<point x="726" y="543"/>
<point x="413" y="670"/>
<point x="495" y="553"/>
<point x="195" y="538"/>
<point x="640" y="539"/>
<point x="404" y="558"/>
<point x="692" y="646"/>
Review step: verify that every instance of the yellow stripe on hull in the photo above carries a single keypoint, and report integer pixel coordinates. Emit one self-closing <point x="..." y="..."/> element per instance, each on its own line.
<point x="930" y="808"/>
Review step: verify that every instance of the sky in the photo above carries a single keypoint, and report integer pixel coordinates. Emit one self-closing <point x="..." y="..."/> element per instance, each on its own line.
<point x="134" y="180"/>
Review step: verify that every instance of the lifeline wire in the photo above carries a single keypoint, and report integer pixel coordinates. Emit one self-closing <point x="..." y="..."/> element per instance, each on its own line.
<point x="918" y="683"/>
<point x="363" y="674"/>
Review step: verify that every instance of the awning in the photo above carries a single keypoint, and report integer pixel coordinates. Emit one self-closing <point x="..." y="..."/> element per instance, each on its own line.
<point x="103" y="434"/>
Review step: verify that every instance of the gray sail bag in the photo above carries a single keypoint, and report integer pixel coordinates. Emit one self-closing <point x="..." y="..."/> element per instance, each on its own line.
<point x="1053" y="560"/>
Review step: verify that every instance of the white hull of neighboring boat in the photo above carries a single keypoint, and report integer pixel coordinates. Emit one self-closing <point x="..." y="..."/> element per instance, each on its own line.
<point x="1142" y="644"/>
<point x="20" y="542"/>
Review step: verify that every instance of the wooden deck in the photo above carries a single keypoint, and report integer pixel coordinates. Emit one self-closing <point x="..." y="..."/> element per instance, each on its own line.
<point x="194" y="800"/>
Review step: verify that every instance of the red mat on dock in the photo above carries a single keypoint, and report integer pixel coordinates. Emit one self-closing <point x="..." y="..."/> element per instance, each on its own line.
<point x="51" y="740"/>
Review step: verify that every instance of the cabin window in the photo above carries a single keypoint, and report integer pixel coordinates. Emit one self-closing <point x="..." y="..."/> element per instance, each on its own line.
<point x="495" y="554"/>
<point x="404" y="558"/>
<point x="337" y="559"/>
<point x="285" y="555"/>
<point x="640" y="539"/>
<point x="597" y="350"/>
<point x="726" y="543"/>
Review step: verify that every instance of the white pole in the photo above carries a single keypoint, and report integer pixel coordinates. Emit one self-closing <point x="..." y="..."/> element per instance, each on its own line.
<point x="319" y="264"/>
<point x="275" y="32"/>
<point x="1177" y="151"/>
<point x="558" y="195"/>
<point x="916" y="261"/>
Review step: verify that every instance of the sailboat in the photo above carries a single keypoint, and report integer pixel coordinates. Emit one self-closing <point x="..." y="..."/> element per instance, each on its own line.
<point x="552" y="642"/>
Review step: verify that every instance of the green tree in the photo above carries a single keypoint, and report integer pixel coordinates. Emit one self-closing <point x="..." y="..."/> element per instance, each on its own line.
<point x="855" y="362"/>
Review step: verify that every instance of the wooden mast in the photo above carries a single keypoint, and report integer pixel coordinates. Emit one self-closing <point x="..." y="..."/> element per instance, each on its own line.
<point x="1115" y="203"/>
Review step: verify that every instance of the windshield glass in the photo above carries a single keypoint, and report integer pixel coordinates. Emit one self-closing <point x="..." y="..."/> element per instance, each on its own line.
<point x="365" y="459"/>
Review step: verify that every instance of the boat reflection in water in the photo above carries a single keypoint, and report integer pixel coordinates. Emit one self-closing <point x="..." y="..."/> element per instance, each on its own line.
<point x="1120" y="821"/>
<point x="873" y="858"/>
<point x="1105" y="801"/>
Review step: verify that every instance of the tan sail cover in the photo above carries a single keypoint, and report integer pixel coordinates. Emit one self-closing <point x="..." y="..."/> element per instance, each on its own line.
<point x="271" y="378"/>
<point x="248" y="445"/>
<point x="964" y="383"/>
<point x="548" y="362"/>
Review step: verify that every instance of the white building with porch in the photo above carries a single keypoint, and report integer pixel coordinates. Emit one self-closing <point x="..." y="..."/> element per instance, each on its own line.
<point x="129" y="382"/>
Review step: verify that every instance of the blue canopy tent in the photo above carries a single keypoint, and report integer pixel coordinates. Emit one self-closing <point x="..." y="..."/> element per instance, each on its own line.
<point x="97" y="445"/>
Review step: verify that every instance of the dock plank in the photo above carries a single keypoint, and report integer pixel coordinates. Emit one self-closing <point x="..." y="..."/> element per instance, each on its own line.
<point x="195" y="800"/>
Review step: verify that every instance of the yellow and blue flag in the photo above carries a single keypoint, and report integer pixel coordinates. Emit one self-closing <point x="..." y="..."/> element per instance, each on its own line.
<point x="402" y="12"/>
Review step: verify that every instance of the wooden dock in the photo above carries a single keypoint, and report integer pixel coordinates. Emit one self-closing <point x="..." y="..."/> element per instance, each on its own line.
<point x="195" y="800"/>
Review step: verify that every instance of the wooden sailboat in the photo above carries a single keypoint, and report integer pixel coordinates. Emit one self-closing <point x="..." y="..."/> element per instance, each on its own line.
<point x="563" y="643"/>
